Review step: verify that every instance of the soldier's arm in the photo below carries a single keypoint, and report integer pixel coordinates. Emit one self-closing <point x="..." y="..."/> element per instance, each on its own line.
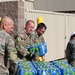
<point x="73" y="49"/>
<point x="67" y="50"/>
<point x="42" y="39"/>
<point x="70" y="51"/>
<point x="12" y="53"/>
<point x="20" y="46"/>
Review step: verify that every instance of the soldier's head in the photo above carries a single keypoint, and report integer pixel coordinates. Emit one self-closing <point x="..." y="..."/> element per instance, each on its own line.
<point x="72" y="36"/>
<point x="30" y="25"/>
<point x="41" y="28"/>
<point x="7" y="24"/>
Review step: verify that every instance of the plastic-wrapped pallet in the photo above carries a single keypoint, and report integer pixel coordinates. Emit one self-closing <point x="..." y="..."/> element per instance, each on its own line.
<point x="26" y="68"/>
<point x="39" y="49"/>
<point x="64" y="67"/>
<point x="46" y="68"/>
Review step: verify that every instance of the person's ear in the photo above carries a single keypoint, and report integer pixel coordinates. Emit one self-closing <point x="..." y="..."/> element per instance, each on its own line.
<point x="4" y="26"/>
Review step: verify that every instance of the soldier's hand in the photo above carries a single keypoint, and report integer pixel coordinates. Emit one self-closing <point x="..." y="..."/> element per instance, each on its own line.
<point x="36" y="58"/>
<point x="32" y="55"/>
<point x="23" y="58"/>
<point x="22" y="52"/>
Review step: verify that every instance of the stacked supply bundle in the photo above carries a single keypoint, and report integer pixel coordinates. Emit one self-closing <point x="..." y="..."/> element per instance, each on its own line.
<point x="46" y="68"/>
<point x="26" y="68"/>
<point x="64" y="67"/>
<point x="39" y="49"/>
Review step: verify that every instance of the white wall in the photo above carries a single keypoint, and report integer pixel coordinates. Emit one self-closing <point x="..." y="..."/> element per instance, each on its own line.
<point x="59" y="28"/>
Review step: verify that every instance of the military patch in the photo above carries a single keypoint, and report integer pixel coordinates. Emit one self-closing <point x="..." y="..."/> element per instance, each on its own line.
<point x="19" y="39"/>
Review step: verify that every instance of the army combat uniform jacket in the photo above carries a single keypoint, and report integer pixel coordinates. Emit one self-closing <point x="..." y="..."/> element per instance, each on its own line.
<point x="23" y="42"/>
<point x="36" y="38"/>
<point x="70" y="52"/>
<point x="7" y="52"/>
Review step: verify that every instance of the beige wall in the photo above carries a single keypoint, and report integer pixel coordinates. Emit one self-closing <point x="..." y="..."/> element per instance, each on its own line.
<point x="49" y="5"/>
<point x="59" y="28"/>
<point x="70" y="25"/>
<point x="8" y="0"/>
<point x="54" y="5"/>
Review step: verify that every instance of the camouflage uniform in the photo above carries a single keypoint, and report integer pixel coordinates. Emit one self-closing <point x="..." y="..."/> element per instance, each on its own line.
<point x="7" y="52"/>
<point x="23" y="42"/>
<point x="36" y="38"/>
<point x="70" y="52"/>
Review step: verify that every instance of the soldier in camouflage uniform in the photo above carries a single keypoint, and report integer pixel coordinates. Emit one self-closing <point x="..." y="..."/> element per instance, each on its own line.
<point x="8" y="53"/>
<point x="23" y="40"/>
<point x="70" y="50"/>
<point x="37" y="35"/>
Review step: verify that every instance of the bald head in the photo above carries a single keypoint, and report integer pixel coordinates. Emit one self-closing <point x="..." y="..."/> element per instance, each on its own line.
<point x="7" y="20"/>
<point x="7" y="24"/>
